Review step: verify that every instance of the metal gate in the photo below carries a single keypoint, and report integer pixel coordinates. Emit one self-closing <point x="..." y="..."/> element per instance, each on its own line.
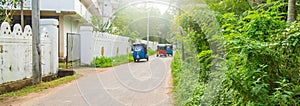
<point x="73" y="50"/>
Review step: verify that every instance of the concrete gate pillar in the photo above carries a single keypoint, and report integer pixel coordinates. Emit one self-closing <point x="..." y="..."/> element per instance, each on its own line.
<point x="51" y="26"/>
<point x="87" y="44"/>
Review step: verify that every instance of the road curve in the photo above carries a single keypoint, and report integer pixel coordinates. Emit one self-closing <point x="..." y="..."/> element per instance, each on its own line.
<point x="133" y="84"/>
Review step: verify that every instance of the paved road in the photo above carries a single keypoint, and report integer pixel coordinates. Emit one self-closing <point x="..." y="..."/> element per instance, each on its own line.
<point x="133" y="84"/>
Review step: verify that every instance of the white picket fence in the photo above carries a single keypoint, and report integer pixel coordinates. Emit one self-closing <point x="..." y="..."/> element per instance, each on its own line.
<point x="16" y="52"/>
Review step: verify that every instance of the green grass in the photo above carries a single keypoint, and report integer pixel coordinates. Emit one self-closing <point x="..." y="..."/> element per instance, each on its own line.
<point x="151" y="52"/>
<point x="122" y="59"/>
<point x="102" y="62"/>
<point x="39" y="87"/>
<point x="61" y="65"/>
<point x="74" y="64"/>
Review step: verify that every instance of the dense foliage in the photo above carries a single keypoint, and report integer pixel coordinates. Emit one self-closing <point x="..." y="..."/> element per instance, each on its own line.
<point x="262" y="59"/>
<point x="225" y="6"/>
<point x="6" y="9"/>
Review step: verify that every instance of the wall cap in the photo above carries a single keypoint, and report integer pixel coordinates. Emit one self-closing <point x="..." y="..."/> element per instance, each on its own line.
<point x="49" y="22"/>
<point x="86" y="28"/>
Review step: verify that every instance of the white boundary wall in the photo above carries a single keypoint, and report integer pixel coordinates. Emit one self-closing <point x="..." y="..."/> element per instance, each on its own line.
<point x="99" y="44"/>
<point x="152" y="45"/>
<point x="16" y="50"/>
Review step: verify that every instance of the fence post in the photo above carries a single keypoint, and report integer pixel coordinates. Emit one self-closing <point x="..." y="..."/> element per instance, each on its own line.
<point x="51" y="26"/>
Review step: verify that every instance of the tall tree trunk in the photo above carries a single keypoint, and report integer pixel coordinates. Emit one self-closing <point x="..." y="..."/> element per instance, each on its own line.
<point x="291" y="11"/>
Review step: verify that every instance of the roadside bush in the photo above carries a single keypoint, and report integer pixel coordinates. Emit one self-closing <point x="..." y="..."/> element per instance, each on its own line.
<point x="186" y="88"/>
<point x="262" y="60"/>
<point x="176" y="67"/>
<point x="101" y="62"/>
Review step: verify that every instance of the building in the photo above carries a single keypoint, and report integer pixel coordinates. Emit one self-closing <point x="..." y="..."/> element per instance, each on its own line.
<point x="71" y="14"/>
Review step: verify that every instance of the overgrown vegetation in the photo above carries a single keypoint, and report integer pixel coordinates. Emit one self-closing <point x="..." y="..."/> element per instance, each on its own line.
<point x="262" y="59"/>
<point x="40" y="87"/>
<point x="263" y="51"/>
<point x="176" y="67"/>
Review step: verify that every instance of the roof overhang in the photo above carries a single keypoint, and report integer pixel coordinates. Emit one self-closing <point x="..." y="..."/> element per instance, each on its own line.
<point x="45" y="13"/>
<point x="92" y="7"/>
<point x="71" y="14"/>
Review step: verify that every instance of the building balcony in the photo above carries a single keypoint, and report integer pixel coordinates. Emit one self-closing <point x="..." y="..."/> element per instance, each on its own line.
<point x="82" y="9"/>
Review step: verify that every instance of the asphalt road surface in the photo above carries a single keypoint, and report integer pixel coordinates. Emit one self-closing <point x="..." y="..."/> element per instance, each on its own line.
<point x="133" y="84"/>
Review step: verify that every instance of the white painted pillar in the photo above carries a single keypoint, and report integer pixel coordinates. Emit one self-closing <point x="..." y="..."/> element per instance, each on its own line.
<point x="87" y="44"/>
<point x="61" y="37"/>
<point x="51" y="25"/>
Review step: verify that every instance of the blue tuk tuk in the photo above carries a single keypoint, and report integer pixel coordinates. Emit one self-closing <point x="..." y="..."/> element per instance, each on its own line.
<point x="169" y="49"/>
<point x="139" y="52"/>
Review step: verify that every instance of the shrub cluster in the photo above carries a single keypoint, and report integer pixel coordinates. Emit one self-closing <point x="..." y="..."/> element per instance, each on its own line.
<point x="262" y="59"/>
<point x="102" y="62"/>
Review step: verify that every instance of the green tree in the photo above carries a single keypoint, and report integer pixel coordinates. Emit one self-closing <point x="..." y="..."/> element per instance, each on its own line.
<point x="6" y="9"/>
<point x="98" y="24"/>
<point x="122" y="19"/>
<point x="132" y="22"/>
<point x="230" y="6"/>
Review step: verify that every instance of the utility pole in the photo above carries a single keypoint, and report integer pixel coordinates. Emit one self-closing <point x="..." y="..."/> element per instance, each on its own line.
<point x="148" y="30"/>
<point x="22" y="14"/>
<point x="291" y="17"/>
<point x="36" y="47"/>
<point x="182" y="44"/>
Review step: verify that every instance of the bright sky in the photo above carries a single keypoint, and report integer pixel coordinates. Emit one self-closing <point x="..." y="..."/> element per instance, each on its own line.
<point x="162" y="8"/>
